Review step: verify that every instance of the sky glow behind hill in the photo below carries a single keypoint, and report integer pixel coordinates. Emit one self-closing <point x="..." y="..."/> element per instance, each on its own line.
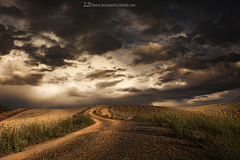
<point x="60" y="54"/>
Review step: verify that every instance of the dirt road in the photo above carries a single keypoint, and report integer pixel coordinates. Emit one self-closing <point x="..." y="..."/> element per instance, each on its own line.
<point x="114" y="139"/>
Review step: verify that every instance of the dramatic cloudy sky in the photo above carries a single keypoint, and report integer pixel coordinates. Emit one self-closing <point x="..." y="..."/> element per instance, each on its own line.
<point x="58" y="53"/>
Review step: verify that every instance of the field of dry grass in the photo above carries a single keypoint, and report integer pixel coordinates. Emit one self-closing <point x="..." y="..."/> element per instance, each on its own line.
<point x="11" y="113"/>
<point x="224" y="110"/>
<point x="20" y="116"/>
<point x="20" y="130"/>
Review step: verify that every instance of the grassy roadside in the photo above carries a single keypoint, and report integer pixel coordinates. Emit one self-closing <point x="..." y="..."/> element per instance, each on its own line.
<point x="220" y="136"/>
<point x="35" y="132"/>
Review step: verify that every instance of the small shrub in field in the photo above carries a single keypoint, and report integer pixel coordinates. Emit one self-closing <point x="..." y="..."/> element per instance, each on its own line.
<point x="138" y="117"/>
<point x="3" y="109"/>
<point x="157" y="119"/>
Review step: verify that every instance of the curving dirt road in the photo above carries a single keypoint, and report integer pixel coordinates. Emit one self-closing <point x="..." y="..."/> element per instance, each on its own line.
<point x="114" y="139"/>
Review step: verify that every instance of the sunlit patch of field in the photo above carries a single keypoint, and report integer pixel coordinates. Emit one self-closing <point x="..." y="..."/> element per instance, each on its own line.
<point x="223" y="110"/>
<point x="11" y="113"/>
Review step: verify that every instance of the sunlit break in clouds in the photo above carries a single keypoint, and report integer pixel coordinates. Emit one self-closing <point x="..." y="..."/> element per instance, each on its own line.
<point x="64" y="53"/>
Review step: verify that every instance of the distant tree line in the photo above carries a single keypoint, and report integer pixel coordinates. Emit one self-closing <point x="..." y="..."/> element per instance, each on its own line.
<point x="3" y="109"/>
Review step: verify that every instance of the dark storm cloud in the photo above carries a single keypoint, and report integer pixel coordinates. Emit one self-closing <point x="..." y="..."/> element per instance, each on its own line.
<point x="102" y="85"/>
<point x="156" y="14"/>
<point x="169" y="77"/>
<point x="177" y="49"/>
<point x="85" y="59"/>
<point x="29" y="49"/>
<point x="149" y="56"/>
<point x="19" y="32"/>
<point x="129" y="90"/>
<point x="119" y="22"/>
<point x="205" y="61"/>
<point x="180" y="40"/>
<point x="200" y="14"/>
<point x="58" y="80"/>
<point x="158" y="29"/>
<point x="100" y="43"/>
<point x="176" y="29"/>
<point x="30" y="79"/>
<point x="218" y="73"/>
<point x="155" y="30"/>
<point x="66" y="19"/>
<point x="126" y="37"/>
<point x="22" y="39"/>
<point x="110" y="57"/>
<point x="177" y="94"/>
<point x="101" y="74"/>
<point x="55" y="63"/>
<point x="56" y="52"/>
<point x="225" y="31"/>
<point x="150" y="12"/>
<point x="206" y="86"/>
<point x="45" y="38"/>
<point x="54" y="56"/>
<point x="130" y="76"/>
<point x="14" y="33"/>
<point x="152" y="53"/>
<point x="90" y="67"/>
<point x="179" y="46"/>
<point x="215" y="23"/>
<point x="42" y="70"/>
<point x="11" y="11"/>
<point x="6" y="41"/>
<point x="230" y="57"/>
<point x="219" y="78"/>
<point x="119" y="75"/>
<point x="121" y="69"/>
<point x="199" y="41"/>
<point x="200" y="10"/>
<point x="74" y="92"/>
<point x="69" y="17"/>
